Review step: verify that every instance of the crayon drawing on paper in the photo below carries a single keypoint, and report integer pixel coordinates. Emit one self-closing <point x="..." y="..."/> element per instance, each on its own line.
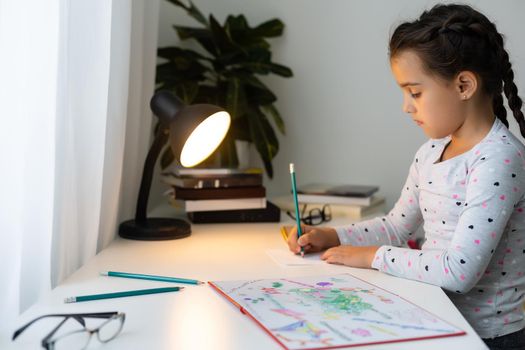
<point x="332" y="311"/>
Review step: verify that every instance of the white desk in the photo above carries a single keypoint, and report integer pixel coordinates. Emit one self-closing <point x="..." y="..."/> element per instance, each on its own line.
<point x="197" y="317"/>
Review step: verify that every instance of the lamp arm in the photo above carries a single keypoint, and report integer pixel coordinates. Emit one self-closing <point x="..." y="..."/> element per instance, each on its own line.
<point x="161" y="137"/>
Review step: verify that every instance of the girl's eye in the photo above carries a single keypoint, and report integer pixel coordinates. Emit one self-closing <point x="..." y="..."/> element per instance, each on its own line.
<point x="415" y="95"/>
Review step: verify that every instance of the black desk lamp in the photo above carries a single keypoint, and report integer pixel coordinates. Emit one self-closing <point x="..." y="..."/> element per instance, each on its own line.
<point x="195" y="131"/>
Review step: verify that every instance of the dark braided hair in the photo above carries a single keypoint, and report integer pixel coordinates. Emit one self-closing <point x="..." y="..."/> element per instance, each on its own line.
<point x="452" y="38"/>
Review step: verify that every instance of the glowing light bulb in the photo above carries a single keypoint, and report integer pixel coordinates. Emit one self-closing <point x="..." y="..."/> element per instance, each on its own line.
<point x="206" y="137"/>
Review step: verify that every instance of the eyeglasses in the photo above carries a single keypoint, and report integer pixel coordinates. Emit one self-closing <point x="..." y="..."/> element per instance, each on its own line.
<point x="315" y="216"/>
<point x="79" y="338"/>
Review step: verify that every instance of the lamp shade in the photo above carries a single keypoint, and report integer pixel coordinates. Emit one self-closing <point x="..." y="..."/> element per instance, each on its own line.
<point x="195" y="131"/>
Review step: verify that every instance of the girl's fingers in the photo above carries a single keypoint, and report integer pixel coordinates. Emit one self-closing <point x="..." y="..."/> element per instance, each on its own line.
<point x="292" y="238"/>
<point x="306" y="241"/>
<point x="327" y="254"/>
<point x="331" y="254"/>
<point x="334" y="260"/>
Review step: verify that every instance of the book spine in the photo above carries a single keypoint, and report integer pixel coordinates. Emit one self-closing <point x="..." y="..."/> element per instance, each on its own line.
<point x="219" y="193"/>
<point x="215" y="171"/>
<point x="270" y="214"/>
<point x="312" y="198"/>
<point x="245" y="180"/>
<point x="219" y="204"/>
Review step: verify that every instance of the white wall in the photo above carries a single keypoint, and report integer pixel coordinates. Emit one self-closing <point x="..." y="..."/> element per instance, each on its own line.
<point x="342" y="108"/>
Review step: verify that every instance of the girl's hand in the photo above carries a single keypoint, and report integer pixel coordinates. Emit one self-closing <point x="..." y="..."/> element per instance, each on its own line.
<point x="313" y="239"/>
<point x="353" y="256"/>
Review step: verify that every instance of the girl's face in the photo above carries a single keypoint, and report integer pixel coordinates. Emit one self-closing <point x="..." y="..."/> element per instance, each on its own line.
<point x="433" y="104"/>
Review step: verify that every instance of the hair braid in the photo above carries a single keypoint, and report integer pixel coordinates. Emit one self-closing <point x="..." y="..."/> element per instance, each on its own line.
<point x="509" y="87"/>
<point x="515" y="103"/>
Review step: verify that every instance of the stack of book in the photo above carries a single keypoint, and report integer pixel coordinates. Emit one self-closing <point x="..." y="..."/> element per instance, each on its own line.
<point x="212" y="195"/>
<point x="353" y="201"/>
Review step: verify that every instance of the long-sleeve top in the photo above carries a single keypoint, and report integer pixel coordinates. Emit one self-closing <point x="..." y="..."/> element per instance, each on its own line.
<point x="472" y="209"/>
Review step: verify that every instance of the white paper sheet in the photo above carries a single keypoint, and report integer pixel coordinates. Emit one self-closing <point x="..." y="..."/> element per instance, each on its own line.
<point x="285" y="258"/>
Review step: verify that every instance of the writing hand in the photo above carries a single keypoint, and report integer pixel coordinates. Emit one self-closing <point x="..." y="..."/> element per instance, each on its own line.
<point x="313" y="239"/>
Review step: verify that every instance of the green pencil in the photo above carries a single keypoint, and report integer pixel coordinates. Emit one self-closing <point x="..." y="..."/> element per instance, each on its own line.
<point x="128" y="293"/>
<point x="150" y="277"/>
<point x="296" y="204"/>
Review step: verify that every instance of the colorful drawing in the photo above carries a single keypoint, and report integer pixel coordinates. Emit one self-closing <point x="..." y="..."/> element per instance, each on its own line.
<point x="332" y="311"/>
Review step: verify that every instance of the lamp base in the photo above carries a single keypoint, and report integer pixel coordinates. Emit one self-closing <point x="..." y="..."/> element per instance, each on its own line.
<point x="154" y="229"/>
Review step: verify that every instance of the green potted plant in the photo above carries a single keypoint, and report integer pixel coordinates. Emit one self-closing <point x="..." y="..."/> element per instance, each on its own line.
<point x="224" y="71"/>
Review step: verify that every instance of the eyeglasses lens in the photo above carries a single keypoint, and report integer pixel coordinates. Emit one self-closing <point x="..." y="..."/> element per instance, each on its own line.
<point x="111" y="328"/>
<point x="72" y="340"/>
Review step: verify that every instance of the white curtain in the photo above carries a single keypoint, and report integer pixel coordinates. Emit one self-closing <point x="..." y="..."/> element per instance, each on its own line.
<point x="73" y="115"/>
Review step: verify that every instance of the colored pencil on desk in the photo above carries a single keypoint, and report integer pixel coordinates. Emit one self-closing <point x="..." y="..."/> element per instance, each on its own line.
<point x="296" y="203"/>
<point x="129" y="293"/>
<point x="150" y="277"/>
<point x="284" y="233"/>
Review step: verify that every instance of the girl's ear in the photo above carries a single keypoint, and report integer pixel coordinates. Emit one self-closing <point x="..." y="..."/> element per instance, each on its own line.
<point x="466" y="84"/>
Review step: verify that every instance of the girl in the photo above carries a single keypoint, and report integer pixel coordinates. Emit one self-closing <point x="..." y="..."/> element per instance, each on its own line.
<point x="466" y="185"/>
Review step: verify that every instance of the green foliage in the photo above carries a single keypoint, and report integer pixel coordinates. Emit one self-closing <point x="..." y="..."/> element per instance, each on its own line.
<point x="225" y="74"/>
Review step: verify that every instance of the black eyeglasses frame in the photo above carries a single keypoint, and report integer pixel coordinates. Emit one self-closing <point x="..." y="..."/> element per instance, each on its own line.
<point x="315" y="216"/>
<point x="48" y="344"/>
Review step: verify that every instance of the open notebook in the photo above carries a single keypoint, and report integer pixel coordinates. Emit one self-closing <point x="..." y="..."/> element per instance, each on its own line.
<point x="324" y="312"/>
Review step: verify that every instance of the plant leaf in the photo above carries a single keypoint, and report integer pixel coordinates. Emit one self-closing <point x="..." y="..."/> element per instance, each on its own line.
<point x="246" y="78"/>
<point x="240" y="130"/>
<point x="178" y="70"/>
<point x="258" y="54"/>
<point x="258" y="96"/>
<point x="201" y="35"/>
<point x="173" y="52"/>
<point x="221" y="38"/>
<point x="187" y="92"/>
<point x="236" y="25"/>
<point x="182" y="79"/>
<point x="270" y="109"/>
<point x="233" y="97"/>
<point x="241" y="33"/>
<point x="197" y="14"/>
<point x="264" y="67"/>
<point x="256" y="67"/>
<point x="179" y="3"/>
<point x="192" y="10"/>
<point x="264" y="138"/>
<point x="270" y="29"/>
<point x="180" y="67"/>
<point x="281" y="70"/>
<point x="208" y="94"/>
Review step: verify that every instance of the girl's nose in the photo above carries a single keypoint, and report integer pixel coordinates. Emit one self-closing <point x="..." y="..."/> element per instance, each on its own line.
<point x="408" y="107"/>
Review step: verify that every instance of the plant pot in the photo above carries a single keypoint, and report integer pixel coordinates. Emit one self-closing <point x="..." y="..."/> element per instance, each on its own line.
<point x="243" y="149"/>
